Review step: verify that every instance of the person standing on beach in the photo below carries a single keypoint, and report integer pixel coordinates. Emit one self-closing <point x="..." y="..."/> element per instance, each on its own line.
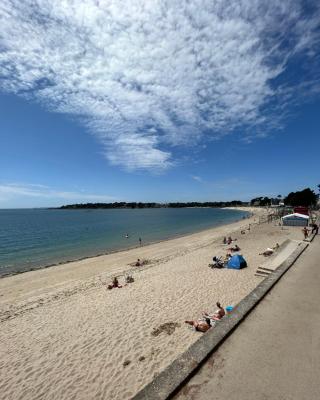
<point x="140" y="241"/>
<point x="315" y="228"/>
<point x="305" y="231"/>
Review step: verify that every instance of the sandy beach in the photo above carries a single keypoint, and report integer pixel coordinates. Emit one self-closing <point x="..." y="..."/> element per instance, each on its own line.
<point x="64" y="336"/>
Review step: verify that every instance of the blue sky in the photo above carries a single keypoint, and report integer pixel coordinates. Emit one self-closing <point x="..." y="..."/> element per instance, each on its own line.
<point x="123" y="101"/>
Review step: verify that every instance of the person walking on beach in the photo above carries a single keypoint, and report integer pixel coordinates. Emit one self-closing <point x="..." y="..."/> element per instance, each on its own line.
<point x="305" y="231"/>
<point x="315" y="228"/>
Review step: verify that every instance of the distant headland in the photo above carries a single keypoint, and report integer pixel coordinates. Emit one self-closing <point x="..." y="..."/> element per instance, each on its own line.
<point x="219" y="204"/>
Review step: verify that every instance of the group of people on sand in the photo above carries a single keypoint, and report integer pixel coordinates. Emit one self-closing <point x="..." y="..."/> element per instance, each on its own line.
<point x="228" y="240"/>
<point x="128" y="278"/>
<point x="115" y="282"/>
<point x="207" y="320"/>
<point x="234" y="249"/>
<point x="219" y="262"/>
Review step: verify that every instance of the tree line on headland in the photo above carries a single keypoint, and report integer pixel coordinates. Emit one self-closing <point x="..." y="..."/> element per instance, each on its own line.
<point x="305" y="197"/>
<point x="123" y="204"/>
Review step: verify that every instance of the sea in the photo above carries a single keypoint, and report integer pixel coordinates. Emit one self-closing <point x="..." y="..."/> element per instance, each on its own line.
<point x="37" y="238"/>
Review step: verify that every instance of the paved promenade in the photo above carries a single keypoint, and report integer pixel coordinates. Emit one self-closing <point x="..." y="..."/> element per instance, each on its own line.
<point x="275" y="353"/>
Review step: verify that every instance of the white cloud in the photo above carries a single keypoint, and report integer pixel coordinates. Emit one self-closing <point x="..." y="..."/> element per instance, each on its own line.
<point x="197" y="178"/>
<point x="13" y="191"/>
<point x="146" y="76"/>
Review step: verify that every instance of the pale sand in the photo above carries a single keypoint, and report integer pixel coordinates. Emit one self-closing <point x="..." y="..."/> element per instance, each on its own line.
<point x="64" y="336"/>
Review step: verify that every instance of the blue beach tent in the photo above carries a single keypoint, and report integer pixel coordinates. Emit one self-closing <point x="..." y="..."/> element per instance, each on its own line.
<point x="236" y="262"/>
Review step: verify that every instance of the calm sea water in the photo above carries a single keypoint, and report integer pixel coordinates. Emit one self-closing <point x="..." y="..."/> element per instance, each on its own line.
<point x="39" y="237"/>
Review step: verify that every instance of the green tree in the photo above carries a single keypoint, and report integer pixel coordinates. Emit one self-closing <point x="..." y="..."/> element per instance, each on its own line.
<point x="305" y="198"/>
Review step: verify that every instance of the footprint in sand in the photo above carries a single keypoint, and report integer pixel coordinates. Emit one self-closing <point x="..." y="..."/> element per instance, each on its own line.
<point x="126" y="362"/>
<point x="168" y="328"/>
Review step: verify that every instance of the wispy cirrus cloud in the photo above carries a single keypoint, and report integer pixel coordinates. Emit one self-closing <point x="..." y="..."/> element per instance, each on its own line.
<point x="18" y="190"/>
<point x="147" y="76"/>
<point x="197" y="178"/>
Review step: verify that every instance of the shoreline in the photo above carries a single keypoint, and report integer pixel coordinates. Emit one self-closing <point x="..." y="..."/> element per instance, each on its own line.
<point x="117" y="263"/>
<point x="177" y="236"/>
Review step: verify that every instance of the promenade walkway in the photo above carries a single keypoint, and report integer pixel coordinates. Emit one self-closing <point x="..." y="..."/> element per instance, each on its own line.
<point x="275" y="353"/>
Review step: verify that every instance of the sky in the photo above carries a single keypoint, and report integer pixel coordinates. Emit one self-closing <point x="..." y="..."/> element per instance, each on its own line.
<point x="155" y="100"/>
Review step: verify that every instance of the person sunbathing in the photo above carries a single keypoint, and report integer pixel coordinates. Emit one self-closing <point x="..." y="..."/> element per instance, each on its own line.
<point x="200" y="325"/>
<point x="114" y="284"/>
<point x="235" y="248"/>
<point x="217" y="262"/>
<point x="267" y="252"/>
<point x="217" y="315"/>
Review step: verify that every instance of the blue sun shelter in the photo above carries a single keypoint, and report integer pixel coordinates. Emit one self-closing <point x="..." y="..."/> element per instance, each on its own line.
<point x="236" y="262"/>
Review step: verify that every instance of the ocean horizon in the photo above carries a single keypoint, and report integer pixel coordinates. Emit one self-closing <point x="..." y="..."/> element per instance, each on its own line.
<point x="36" y="238"/>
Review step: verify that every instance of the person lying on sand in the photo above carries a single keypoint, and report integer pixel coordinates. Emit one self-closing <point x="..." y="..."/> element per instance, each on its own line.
<point x="218" y="314"/>
<point x="217" y="263"/>
<point x="267" y="252"/>
<point x="140" y="262"/>
<point x="235" y="248"/>
<point x="200" y="326"/>
<point x="114" y="284"/>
